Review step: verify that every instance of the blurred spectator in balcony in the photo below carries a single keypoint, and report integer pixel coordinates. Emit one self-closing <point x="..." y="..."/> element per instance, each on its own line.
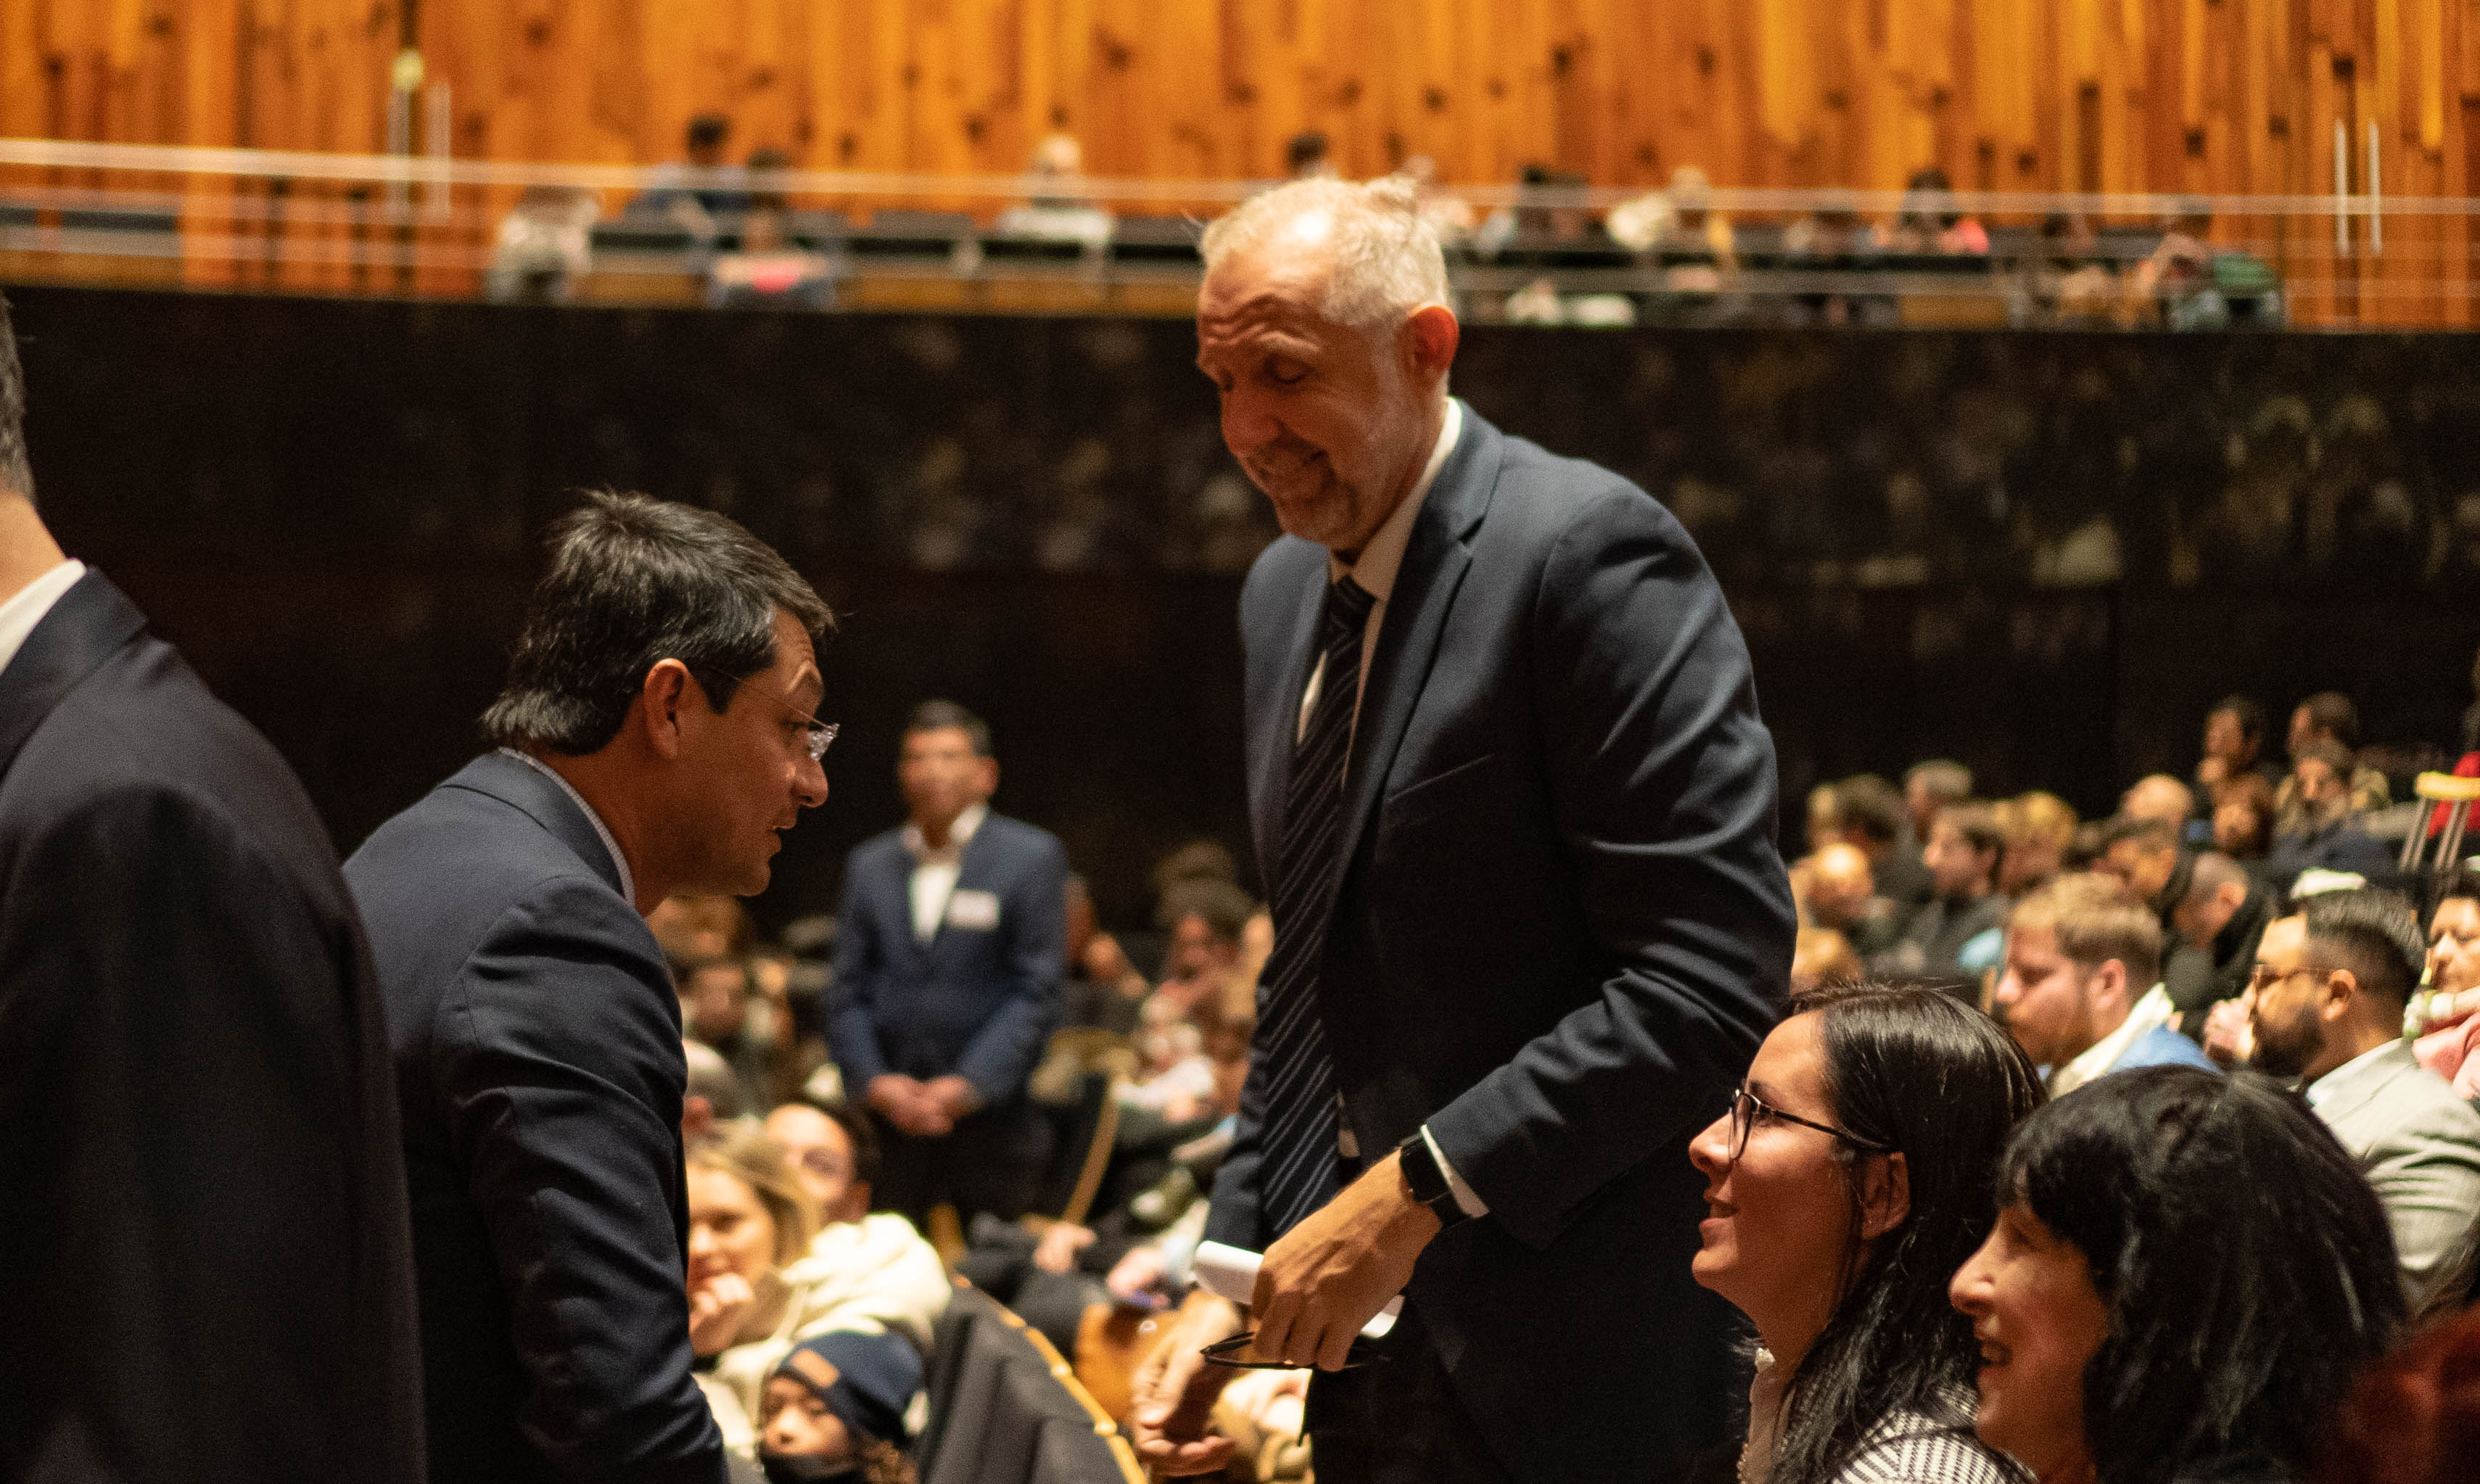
<point x="2243" y="818"/>
<point x="1054" y="211"/>
<point x="2321" y="828"/>
<point x="1930" y="223"/>
<point x="699" y="205"/>
<point x="767" y="267"/>
<point x="1689" y="243"/>
<point x="2040" y="830"/>
<point x="2328" y="716"/>
<point x="2070" y="281"/>
<point x="1451" y="215"/>
<point x="1307" y="156"/>
<point x="1831" y="242"/>
<point x="2174" y="285"/>
<point x="543" y="246"/>
<point x="2233" y="748"/>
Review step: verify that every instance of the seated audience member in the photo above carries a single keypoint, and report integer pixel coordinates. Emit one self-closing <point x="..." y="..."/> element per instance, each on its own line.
<point x="756" y="1290"/>
<point x="2078" y="993"/>
<point x="2039" y="829"/>
<point x="1824" y="817"/>
<point x="1873" y="817"/>
<point x="712" y="1097"/>
<point x="2325" y="1007"/>
<point x="2416" y="1419"/>
<point x="2329" y="716"/>
<point x="1054" y="211"/>
<point x="2243" y="818"/>
<point x="2144" y="857"/>
<point x="2158" y="796"/>
<point x="2185" y="1274"/>
<point x="767" y="265"/>
<point x="1103" y="989"/>
<point x="2321" y="831"/>
<point x="2219" y="924"/>
<point x="696" y="209"/>
<point x="2233" y="750"/>
<point x="543" y="246"/>
<point x="715" y="1011"/>
<point x="864" y="1267"/>
<point x="835" y="1411"/>
<point x="1933" y="787"/>
<point x="692" y="928"/>
<point x="1205" y="919"/>
<point x="1961" y="931"/>
<point x="1841" y="1200"/>
<point x="1820" y="957"/>
<point x="1930" y="223"/>
<point x="1839" y="892"/>
<point x="2453" y="1019"/>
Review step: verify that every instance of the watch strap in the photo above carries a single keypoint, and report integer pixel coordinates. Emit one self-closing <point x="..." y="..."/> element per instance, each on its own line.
<point x="1426" y="1181"/>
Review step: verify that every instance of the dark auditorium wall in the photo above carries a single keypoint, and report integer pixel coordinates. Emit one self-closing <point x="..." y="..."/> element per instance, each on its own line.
<point x="2041" y="553"/>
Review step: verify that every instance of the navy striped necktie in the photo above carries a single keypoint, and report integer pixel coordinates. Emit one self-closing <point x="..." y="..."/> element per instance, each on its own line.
<point x="1297" y="1163"/>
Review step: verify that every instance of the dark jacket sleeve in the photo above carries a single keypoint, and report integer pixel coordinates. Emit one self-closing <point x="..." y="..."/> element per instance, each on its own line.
<point x="560" y="1073"/>
<point x="1661" y="778"/>
<point x="190" y="1162"/>
<point x="1033" y="915"/>
<point x="852" y="1036"/>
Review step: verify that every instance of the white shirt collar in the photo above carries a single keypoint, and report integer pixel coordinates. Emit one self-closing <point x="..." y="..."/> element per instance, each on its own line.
<point x="602" y="832"/>
<point x="959" y="835"/>
<point x="1380" y="560"/>
<point x="2339" y="1080"/>
<point x="19" y="614"/>
<point x="2148" y="1015"/>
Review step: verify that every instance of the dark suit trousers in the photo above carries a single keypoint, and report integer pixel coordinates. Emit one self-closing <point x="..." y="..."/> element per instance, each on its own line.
<point x="993" y="1162"/>
<point x="1396" y="1421"/>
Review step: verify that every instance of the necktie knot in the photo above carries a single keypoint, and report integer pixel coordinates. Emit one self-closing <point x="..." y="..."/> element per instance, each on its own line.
<point x="1348" y="600"/>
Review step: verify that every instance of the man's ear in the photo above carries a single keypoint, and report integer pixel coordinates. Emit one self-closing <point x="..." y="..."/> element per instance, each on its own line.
<point x="1430" y="336"/>
<point x="668" y="690"/>
<point x="2231" y="894"/>
<point x="2111" y="979"/>
<point x="990" y="776"/>
<point x="2335" y="993"/>
<point x="1885" y="1195"/>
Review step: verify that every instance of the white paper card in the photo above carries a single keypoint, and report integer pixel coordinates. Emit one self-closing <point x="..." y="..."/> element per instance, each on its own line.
<point x="1232" y="1272"/>
<point x="974" y="912"/>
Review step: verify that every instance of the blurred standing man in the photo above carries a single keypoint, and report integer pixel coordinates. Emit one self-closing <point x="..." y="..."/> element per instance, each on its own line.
<point x="1511" y="790"/>
<point x="950" y="966"/>
<point x="655" y="736"/>
<point x="206" y="1269"/>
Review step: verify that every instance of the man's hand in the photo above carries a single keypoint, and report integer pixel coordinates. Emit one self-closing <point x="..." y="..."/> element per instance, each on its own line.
<point x="1060" y="1244"/>
<point x="1135" y="1277"/>
<point x="716" y="1308"/>
<point x="908" y="1105"/>
<point x="951" y="1096"/>
<point x="1175" y="1389"/>
<point x="2229" y="1031"/>
<point x="1329" y="1275"/>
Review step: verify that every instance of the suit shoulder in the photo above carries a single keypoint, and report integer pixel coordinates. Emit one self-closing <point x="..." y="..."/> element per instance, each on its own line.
<point x="2422" y="1108"/>
<point x="1544" y="499"/>
<point x="885" y="846"/>
<point x="1022" y="839"/>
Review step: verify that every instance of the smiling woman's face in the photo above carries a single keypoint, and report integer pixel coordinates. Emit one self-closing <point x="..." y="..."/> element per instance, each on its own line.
<point x="2039" y="1321"/>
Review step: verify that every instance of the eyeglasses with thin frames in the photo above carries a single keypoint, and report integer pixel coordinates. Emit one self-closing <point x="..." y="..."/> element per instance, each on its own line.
<point x="816" y="736"/>
<point x="1745" y="1106"/>
<point x="2264" y="976"/>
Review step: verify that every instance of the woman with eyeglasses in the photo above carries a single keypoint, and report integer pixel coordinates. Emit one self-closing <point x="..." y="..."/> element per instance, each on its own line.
<point x="2187" y="1273"/>
<point x="1848" y="1180"/>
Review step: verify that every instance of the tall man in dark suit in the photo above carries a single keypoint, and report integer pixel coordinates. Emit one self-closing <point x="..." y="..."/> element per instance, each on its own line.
<point x="657" y="736"/>
<point x="950" y="953"/>
<point x="1515" y="809"/>
<point x="205" y="1270"/>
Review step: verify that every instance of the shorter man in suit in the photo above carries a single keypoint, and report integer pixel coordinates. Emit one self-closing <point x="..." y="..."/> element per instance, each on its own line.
<point x="950" y="953"/>
<point x="655" y="736"/>
<point x="2076" y="950"/>
<point x="2326" y="1007"/>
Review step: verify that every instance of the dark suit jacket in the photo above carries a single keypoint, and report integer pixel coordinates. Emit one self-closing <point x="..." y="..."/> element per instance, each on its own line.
<point x="978" y="1001"/>
<point x="538" y="1055"/>
<point x="1562" y="929"/>
<point x="205" y="1270"/>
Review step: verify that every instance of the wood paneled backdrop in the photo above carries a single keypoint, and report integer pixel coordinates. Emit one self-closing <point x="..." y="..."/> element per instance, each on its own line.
<point x="2223" y="96"/>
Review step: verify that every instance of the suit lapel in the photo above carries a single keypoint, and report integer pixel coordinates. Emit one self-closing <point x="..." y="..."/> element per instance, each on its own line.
<point x="88" y="625"/>
<point x="1435" y="561"/>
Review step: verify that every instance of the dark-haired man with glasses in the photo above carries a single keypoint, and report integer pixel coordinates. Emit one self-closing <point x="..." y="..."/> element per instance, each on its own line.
<point x="657" y="734"/>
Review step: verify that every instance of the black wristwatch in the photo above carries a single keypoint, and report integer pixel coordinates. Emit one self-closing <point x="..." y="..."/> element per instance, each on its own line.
<point x="1428" y="1182"/>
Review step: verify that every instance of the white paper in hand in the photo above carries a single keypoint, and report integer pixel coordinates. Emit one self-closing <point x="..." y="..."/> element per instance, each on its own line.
<point x="1232" y="1273"/>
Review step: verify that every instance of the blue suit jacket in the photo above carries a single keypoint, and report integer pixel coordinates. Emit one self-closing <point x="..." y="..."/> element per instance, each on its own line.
<point x="205" y="1270"/>
<point x="2163" y="1046"/>
<point x="1561" y="931"/>
<point x="539" y="1059"/>
<point x="978" y="1001"/>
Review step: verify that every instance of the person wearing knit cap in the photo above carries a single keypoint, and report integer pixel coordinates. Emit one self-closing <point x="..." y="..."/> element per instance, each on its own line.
<point x="834" y="1410"/>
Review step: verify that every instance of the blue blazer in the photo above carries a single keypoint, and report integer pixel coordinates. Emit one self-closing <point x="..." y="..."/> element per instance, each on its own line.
<point x="205" y="1271"/>
<point x="975" y="1001"/>
<point x="1559" y="931"/>
<point x="539" y="1059"/>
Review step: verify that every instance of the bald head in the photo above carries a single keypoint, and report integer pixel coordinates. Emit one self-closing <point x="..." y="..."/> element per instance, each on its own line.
<point x="1839" y="884"/>
<point x="2158" y="796"/>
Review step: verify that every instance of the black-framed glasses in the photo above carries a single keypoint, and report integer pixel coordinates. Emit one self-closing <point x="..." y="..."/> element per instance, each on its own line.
<point x="1746" y="1105"/>
<point x="1228" y="1352"/>
<point x="816" y="736"/>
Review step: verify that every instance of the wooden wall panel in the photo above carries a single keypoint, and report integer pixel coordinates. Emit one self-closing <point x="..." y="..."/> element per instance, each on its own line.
<point x="2222" y="96"/>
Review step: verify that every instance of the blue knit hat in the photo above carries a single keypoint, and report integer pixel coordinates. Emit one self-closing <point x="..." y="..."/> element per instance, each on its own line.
<point x="868" y="1380"/>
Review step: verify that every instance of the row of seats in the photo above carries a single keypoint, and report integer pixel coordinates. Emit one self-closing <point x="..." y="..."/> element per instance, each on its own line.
<point x="1006" y="1409"/>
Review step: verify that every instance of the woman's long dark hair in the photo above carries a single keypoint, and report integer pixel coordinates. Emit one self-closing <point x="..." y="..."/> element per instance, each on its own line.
<point x="1919" y="1073"/>
<point x="2247" y="1266"/>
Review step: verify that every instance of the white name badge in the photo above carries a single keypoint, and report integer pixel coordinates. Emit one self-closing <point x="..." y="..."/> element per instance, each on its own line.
<point x="974" y="912"/>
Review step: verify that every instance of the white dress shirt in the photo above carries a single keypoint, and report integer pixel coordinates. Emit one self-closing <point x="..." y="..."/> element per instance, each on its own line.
<point x="934" y="871"/>
<point x="19" y="614"/>
<point x="1375" y="573"/>
<point x="2150" y="1013"/>
<point x="602" y="832"/>
<point x="2341" y="1078"/>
